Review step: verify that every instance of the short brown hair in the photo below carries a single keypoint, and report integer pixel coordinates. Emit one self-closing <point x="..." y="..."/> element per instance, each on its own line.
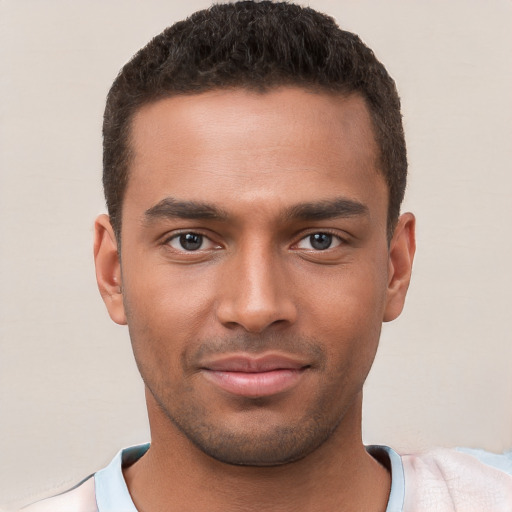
<point x="255" y="45"/>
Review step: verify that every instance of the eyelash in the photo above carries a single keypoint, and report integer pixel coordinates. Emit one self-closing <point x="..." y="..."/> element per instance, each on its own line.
<point x="176" y="236"/>
<point x="334" y="237"/>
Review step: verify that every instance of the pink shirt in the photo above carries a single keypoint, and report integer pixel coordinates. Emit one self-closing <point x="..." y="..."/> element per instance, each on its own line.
<point x="440" y="480"/>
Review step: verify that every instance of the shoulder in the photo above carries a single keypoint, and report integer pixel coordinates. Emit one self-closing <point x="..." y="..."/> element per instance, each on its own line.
<point x="104" y="490"/>
<point x="469" y="480"/>
<point x="79" y="499"/>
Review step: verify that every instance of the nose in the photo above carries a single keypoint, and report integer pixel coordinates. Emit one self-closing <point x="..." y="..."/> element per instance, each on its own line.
<point x="256" y="293"/>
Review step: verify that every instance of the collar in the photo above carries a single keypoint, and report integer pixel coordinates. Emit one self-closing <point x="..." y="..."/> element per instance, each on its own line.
<point x="112" y="494"/>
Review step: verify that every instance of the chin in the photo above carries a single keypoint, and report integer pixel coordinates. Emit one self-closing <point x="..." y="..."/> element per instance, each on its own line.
<point x="270" y="446"/>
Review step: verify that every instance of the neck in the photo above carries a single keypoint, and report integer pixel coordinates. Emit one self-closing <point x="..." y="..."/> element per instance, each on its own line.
<point x="338" y="476"/>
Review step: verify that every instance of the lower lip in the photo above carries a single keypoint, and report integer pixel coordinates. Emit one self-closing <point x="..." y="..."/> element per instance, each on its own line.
<point x="257" y="384"/>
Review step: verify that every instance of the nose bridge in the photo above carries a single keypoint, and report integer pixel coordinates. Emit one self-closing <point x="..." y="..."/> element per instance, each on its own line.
<point x="255" y="296"/>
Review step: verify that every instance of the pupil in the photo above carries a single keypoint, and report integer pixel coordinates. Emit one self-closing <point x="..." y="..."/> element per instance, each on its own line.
<point x="321" y="241"/>
<point x="191" y="241"/>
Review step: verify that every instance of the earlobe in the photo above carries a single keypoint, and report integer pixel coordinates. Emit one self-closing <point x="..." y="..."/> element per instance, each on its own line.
<point x="401" y="255"/>
<point x="108" y="269"/>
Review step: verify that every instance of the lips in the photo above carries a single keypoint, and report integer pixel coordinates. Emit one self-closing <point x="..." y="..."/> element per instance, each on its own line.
<point x="254" y="377"/>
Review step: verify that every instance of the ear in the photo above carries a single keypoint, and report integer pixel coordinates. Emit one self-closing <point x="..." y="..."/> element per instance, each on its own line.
<point x="108" y="269"/>
<point x="401" y="255"/>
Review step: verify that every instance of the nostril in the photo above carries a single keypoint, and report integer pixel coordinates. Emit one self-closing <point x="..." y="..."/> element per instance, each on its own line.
<point x="254" y="297"/>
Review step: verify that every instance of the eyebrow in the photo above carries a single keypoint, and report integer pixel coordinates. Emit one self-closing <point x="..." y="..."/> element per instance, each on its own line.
<point x="170" y="208"/>
<point x="327" y="209"/>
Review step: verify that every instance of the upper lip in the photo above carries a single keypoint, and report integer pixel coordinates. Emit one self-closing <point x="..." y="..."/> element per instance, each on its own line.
<point x="253" y="364"/>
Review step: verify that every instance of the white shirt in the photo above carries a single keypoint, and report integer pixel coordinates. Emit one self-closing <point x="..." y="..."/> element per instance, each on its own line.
<point x="439" y="480"/>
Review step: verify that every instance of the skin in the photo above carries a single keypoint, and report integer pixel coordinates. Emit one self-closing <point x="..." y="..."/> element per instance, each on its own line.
<point x="260" y="174"/>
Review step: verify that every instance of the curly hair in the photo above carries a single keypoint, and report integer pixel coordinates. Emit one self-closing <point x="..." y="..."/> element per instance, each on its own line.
<point x="258" y="46"/>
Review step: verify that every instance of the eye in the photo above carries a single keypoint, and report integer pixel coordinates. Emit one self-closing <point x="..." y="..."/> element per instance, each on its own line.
<point x="190" y="242"/>
<point x="319" y="242"/>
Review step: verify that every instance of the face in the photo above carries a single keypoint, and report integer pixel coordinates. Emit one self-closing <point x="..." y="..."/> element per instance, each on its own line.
<point x="255" y="269"/>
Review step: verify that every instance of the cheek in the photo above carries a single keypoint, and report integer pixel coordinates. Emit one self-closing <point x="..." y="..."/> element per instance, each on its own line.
<point x="162" y="318"/>
<point x="347" y="317"/>
<point x="351" y="298"/>
<point x="169" y="300"/>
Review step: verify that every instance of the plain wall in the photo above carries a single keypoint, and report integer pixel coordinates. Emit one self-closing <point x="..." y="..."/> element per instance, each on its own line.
<point x="70" y="394"/>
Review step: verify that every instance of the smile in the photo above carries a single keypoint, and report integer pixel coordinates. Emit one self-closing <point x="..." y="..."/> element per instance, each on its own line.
<point x="254" y="377"/>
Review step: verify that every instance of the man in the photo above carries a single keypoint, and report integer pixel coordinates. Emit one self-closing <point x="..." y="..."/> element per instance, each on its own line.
<point x="254" y="168"/>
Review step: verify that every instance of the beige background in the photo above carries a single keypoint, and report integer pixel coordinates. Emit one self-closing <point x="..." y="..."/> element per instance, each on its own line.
<point x="70" y="395"/>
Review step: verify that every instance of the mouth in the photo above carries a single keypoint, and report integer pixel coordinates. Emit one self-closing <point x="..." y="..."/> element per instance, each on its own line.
<point x="255" y="377"/>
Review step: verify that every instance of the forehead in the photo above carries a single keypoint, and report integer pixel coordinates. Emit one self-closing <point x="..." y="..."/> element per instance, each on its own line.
<point x="286" y="143"/>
